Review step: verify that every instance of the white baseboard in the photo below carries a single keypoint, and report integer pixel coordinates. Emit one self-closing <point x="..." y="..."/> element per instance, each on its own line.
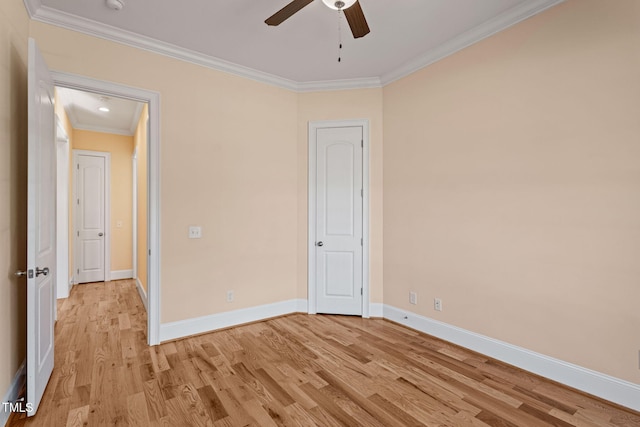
<point x="121" y="274"/>
<point x="376" y="310"/>
<point x="303" y="306"/>
<point x="185" y="328"/>
<point x="14" y="390"/>
<point x="607" y="387"/>
<point x="143" y="295"/>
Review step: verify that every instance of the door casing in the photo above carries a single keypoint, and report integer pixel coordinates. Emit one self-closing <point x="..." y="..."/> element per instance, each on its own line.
<point x="62" y="210"/>
<point x="311" y="214"/>
<point x="74" y="81"/>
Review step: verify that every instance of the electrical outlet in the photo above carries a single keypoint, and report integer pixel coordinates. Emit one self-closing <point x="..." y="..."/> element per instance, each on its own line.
<point x="413" y="297"/>
<point x="437" y="304"/>
<point x="229" y="296"/>
<point x="195" y="232"/>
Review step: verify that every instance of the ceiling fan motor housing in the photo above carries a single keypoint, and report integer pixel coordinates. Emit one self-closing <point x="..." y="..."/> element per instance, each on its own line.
<point x="115" y="4"/>
<point x="339" y="4"/>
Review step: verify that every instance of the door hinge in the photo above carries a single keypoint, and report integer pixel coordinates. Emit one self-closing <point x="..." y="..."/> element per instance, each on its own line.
<point x="78" y="201"/>
<point x="361" y="291"/>
<point x="149" y="252"/>
<point x="362" y="143"/>
<point x="78" y="271"/>
<point x="361" y="243"/>
<point x="361" y="192"/>
<point x="78" y="166"/>
<point x="78" y="233"/>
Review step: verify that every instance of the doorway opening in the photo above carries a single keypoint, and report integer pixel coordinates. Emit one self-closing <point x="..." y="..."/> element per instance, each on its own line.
<point x="111" y="233"/>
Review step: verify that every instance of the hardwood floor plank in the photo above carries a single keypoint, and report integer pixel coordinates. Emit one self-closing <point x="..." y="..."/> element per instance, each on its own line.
<point x="324" y="401"/>
<point x="296" y="370"/>
<point x="213" y="403"/>
<point x="544" y="416"/>
<point x="355" y="395"/>
<point x="137" y="414"/>
<point x="78" y="417"/>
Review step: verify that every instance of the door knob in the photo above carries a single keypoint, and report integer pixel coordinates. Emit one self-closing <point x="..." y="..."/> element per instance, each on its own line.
<point x="20" y="273"/>
<point x="100" y="234"/>
<point x="40" y="271"/>
<point x="319" y="244"/>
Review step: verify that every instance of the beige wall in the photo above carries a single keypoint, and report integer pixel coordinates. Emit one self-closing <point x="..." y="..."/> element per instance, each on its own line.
<point x="339" y="105"/>
<point x="14" y="31"/>
<point x="511" y="182"/>
<point x="228" y="164"/>
<point x="120" y="147"/>
<point x="140" y="143"/>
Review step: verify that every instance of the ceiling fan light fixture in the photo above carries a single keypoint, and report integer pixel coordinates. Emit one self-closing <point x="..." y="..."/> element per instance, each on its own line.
<point x="339" y="4"/>
<point x="115" y="4"/>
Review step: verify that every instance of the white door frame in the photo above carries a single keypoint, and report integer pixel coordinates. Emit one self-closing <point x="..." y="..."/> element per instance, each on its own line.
<point x="134" y="214"/>
<point x="107" y="211"/>
<point x="311" y="275"/>
<point x="62" y="211"/>
<point x="74" y="81"/>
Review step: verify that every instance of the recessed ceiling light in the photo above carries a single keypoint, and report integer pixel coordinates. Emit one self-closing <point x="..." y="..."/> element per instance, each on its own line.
<point x="104" y="109"/>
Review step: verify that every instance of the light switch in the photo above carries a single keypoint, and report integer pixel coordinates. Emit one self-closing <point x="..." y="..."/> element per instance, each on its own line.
<point x="195" y="232"/>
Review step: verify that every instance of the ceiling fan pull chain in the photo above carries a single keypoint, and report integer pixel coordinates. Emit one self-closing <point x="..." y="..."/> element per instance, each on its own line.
<point x="339" y="35"/>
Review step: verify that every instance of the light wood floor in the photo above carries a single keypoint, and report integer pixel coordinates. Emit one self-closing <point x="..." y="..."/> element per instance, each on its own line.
<point x="297" y="370"/>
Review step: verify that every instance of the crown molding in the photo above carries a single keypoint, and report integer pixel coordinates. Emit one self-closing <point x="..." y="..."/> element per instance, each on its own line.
<point x="103" y="129"/>
<point x="51" y="16"/>
<point x="327" y="85"/>
<point x="489" y="28"/>
<point x="45" y="14"/>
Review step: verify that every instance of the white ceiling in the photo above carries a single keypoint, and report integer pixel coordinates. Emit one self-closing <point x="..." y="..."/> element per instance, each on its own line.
<point x="300" y="54"/>
<point x="82" y="110"/>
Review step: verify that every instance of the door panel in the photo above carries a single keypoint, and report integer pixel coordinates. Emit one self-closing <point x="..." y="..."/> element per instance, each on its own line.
<point x="340" y="274"/>
<point x="41" y="220"/>
<point x="339" y="220"/>
<point x="339" y="207"/>
<point x="91" y="223"/>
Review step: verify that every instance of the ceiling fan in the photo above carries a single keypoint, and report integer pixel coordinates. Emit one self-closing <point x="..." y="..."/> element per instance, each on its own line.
<point x="351" y="8"/>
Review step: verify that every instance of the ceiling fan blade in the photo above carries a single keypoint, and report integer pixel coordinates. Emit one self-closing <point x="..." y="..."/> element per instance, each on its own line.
<point x="286" y="12"/>
<point x="357" y="21"/>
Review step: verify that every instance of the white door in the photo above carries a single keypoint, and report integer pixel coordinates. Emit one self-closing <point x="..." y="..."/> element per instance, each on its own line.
<point x="41" y="228"/>
<point x="338" y="234"/>
<point x="91" y="208"/>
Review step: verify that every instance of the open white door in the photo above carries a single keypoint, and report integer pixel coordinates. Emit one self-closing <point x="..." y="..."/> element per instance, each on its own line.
<point x="41" y="228"/>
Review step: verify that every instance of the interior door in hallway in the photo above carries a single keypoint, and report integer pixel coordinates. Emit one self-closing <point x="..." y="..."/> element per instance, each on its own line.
<point x="41" y="229"/>
<point x="339" y="220"/>
<point x="91" y="169"/>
